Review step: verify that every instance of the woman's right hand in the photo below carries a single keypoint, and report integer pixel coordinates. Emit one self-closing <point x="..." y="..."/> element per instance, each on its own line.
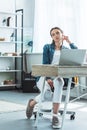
<point x="50" y="82"/>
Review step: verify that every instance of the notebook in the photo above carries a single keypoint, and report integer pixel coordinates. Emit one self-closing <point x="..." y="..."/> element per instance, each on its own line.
<point x="72" y="57"/>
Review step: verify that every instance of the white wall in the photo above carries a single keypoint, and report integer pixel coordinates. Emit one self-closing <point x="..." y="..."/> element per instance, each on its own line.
<point x="7" y="5"/>
<point x="31" y="59"/>
<point x="28" y="19"/>
<point x="28" y="7"/>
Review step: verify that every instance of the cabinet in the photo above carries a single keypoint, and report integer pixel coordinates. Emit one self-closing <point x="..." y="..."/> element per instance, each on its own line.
<point x="11" y="49"/>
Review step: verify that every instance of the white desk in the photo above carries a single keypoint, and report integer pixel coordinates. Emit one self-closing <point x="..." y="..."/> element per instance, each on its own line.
<point x="62" y="71"/>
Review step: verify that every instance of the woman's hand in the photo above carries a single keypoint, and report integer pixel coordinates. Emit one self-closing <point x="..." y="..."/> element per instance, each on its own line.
<point x="50" y="82"/>
<point x="66" y="38"/>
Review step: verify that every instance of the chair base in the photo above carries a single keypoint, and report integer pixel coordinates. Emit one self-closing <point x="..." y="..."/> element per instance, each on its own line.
<point x="72" y="113"/>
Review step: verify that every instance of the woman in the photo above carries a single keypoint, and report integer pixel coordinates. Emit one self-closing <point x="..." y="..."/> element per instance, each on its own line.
<point x="51" y="55"/>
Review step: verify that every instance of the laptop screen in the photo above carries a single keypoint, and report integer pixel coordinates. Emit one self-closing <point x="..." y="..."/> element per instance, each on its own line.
<point x="72" y="56"/>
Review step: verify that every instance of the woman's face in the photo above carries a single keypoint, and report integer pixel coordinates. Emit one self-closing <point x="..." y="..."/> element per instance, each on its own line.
<point x="57" y="35"/>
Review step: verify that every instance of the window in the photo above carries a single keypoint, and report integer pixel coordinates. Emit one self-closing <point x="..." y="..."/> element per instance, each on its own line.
<point x="69" y="15"/>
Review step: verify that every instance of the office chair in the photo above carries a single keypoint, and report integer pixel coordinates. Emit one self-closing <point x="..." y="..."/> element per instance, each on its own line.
<point x="74" y="82"/>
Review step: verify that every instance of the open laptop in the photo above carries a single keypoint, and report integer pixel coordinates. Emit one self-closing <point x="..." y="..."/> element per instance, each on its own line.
<point x="72" y="57"/>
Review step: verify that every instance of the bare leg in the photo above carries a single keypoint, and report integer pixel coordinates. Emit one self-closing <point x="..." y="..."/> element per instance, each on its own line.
<point x="56" y="108"/>
<point x="32" y="103"/>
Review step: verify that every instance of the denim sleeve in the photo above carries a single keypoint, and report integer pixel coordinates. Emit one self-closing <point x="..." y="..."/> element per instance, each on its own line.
<point x="46" y="54"/>
<point x="72" y="46"/>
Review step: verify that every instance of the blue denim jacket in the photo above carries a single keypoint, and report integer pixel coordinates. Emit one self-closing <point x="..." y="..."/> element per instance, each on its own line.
<point x="48" y="52"/>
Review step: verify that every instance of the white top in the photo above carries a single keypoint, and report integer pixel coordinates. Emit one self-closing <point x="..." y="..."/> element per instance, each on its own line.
<point x="56" y="57"/>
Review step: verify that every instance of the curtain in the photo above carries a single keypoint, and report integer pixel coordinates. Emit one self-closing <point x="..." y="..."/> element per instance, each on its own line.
<point x="69" y="15"/>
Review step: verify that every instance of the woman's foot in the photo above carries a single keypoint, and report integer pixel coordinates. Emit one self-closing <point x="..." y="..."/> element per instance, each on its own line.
<point x="30" y="107"/>
<point x="56" y="123"/>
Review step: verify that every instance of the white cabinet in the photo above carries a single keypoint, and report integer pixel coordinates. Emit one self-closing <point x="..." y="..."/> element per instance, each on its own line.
<point x="10" y="49"/>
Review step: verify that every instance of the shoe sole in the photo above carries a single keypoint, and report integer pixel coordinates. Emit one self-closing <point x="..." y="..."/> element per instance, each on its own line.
<point x="28" y="114"/>
<point x="56" y="127"/>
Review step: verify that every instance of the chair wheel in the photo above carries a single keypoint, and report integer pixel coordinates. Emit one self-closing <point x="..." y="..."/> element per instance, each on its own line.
<point x="61" y="112"/>
<point x="72" y="117"/>
<point x="35" y="115"/>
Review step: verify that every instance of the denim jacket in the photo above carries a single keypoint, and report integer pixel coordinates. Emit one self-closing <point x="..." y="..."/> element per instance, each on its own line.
<point x="48" y="52"/>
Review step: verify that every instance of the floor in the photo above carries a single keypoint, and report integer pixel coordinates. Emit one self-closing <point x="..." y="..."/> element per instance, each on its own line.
<point x="17" y="120"/>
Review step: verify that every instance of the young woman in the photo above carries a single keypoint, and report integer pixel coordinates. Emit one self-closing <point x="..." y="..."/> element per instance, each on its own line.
<point x="51" y="55"/>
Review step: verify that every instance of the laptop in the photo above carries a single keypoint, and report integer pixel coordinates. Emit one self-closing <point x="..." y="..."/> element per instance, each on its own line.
<point x="72" y="57"/>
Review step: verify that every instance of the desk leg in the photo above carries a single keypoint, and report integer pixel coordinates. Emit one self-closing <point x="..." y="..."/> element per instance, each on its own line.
<point x="39" y="103"/>
<point x="66" y="101"/>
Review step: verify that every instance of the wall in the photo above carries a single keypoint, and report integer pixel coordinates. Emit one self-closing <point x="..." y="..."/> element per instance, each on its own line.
<point x="31" y="59"/>
<point x="28" y="7"/>
<point x="28" y="19"/>
<point x="7" y="5"/>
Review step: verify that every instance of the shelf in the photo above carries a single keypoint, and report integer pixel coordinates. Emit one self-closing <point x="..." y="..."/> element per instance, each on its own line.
<point x="10" y="42"/>
<point x="1" y="71"/>
<point x="10" y="56"/>
<point x="8" y="27"/>
<point x="8" y="13"/>
<point x="11" y="29"/>
<point x="8" y="85"/>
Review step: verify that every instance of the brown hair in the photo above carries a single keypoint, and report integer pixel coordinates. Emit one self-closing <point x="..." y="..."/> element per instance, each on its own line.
<point x="56" y="28"/>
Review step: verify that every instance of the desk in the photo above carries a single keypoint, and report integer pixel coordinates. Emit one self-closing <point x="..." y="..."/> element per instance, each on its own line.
<point x="62" y="71"/>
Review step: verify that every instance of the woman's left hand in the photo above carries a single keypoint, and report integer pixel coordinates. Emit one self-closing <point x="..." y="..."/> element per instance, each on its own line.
<point x="66" y="38"/>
